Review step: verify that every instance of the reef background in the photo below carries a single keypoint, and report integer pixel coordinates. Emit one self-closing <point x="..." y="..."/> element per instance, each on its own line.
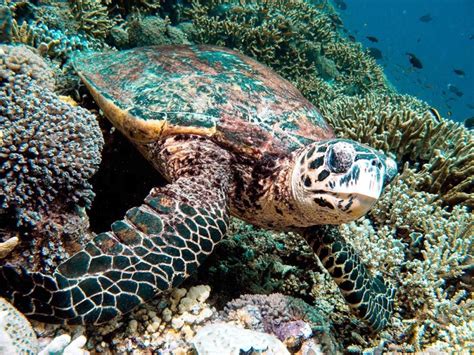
<point x="419" y="235"/>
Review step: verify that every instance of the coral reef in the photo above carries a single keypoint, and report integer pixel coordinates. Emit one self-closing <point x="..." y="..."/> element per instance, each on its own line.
<point x="427" y="252"/>
<point x="16" y="334"/>
<point x="167" y="323"/>
<point x="296" y="38"/>
<point x="212" y="338"/>
<point x="50" y="149"/>
<point x="292" y="320"/>
<point x="441" y="150"/>
<point x="252" y="260"/>
<point x="92" y="17"/>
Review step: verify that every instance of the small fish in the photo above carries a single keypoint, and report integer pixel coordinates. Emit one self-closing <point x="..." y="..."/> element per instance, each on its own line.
<point x="459" y="72"/>
<point x="418" y="40"/>
<point x="435" y="113"/>
<point x="372" y="39"/>
<point x="352" y="38"/>
<point x="375" y="53"/>
<point x="471" y="106"/>
<point x="471" y="37"/>
<point x="426" y="18"/>
<point x="414" y="61"/>
<point x="469" y="123"/>
<point x="455" y="90"/>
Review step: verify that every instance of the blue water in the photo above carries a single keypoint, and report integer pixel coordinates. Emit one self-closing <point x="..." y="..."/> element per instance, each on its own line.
<point x="443" y="44"/>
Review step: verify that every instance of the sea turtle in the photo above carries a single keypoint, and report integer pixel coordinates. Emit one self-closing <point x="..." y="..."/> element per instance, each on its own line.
<point x="233" y="138"/>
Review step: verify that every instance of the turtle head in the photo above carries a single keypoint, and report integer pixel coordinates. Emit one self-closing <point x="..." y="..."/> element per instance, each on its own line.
<point x="339" y="180"/>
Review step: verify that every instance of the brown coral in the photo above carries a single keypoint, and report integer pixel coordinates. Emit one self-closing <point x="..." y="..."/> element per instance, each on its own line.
<point x="92" y="17"/>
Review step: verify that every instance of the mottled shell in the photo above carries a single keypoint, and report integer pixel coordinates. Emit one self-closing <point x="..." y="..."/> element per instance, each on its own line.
<point x="152" y="92"/>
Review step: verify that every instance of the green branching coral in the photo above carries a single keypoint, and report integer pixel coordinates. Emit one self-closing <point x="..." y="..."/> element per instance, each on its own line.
<point x="441" y="150"/>
<point x="427" y="252"/>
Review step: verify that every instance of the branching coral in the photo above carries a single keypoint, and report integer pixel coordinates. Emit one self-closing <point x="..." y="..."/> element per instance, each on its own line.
<point x="426" y="251"/>
<point x="92" y="17"/>
<point x="282" y="34"/>
<point x="442" y="150"/>
<point x="296" y="38"/>
<point x="50" y="149"/>
<point x="356" y="70"/>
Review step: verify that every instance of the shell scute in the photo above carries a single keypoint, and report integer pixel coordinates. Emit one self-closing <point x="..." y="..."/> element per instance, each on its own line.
<point x="152" y="92"/>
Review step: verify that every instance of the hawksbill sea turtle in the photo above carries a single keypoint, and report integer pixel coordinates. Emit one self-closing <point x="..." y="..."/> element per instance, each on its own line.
<point x="233" y="138"/>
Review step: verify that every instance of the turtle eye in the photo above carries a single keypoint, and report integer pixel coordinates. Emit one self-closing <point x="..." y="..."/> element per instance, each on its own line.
<point x="340" y="157"/>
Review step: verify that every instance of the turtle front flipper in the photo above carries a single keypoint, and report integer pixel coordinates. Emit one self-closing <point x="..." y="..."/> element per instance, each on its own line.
<point x="370" y="298"/>
<point x="153" y="248"/>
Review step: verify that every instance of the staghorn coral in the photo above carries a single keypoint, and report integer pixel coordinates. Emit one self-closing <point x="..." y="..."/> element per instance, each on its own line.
<point x="52" y="43"/>
<point x="442" y="150"/>
<point x="50" y="149"/>
<point x="281" y="34"/>
<point x="92" y="17"/>
<point x="356" y="70"/>
<point x="300" y="40"/>
<point x="427" y="252"/>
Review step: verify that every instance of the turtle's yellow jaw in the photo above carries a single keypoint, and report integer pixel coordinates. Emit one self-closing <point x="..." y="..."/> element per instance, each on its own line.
<point x="338" y="181"/>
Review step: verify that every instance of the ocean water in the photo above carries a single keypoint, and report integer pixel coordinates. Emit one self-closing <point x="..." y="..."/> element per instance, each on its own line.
<point x="439" y="32"/>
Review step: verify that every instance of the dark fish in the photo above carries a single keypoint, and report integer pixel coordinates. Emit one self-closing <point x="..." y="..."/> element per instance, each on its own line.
<point x="471" y="37"/>
<point x="426" y="18"/>
<point x="459" y="72"/>
<point x="352" y="38"/>
<point x="435" y="113"/>
<point x="471" y="106"/>
<point x="469" y="123"/>
<point x="372" y="39"/>
<point x="414" y="61"/>
<point x="455" y="90"/>
<point x="341" y="5"/>
<point x="375" y="53"/>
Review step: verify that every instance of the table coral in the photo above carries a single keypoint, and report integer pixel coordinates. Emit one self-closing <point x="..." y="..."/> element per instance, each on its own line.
<point x="50" y="149"/>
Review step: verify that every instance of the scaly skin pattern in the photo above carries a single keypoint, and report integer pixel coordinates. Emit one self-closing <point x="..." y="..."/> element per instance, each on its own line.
<point x="153" y="248"/>
<point x="232" y="137"/>
<point x="370" y="298"/>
